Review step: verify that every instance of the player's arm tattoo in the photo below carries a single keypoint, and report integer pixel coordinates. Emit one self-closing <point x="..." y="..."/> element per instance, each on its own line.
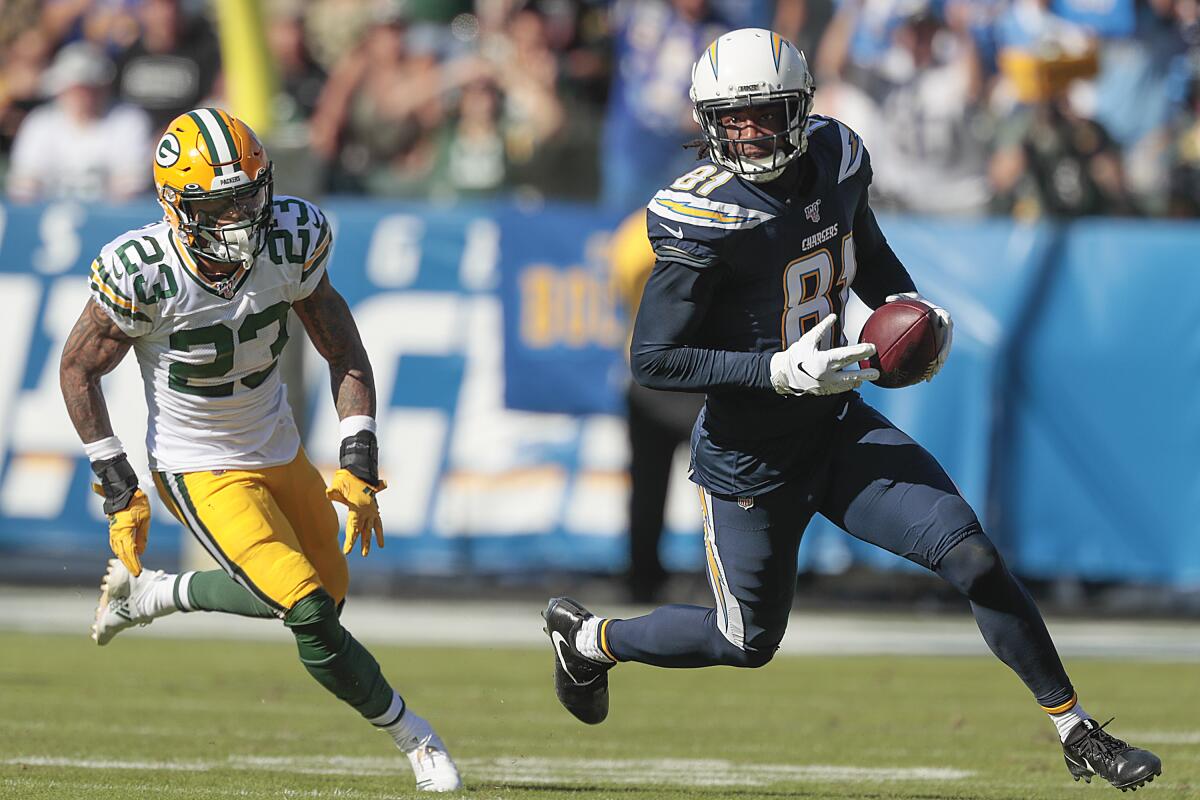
<point x="333" y="332"/>
<point x="93" y="349"/>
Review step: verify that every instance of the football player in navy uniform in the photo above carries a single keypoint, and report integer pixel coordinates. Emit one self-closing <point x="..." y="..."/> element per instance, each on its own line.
<point x="757" y="249"/>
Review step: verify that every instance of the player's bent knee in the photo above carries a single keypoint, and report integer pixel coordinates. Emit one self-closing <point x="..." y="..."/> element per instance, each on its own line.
<point x="314" y="622"/>
<point x="973" y="566"/>
<point x="753" y="659"/>
<point x="748" y="656"/>
<point x="334" y="658"/>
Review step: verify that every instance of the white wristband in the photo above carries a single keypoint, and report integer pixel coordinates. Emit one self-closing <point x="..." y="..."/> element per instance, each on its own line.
<point x="352" y="425"/>
<point x="104" y="449"/>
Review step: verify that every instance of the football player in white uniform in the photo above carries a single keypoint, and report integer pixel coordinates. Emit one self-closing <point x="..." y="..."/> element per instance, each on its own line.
<point x="202" y="297"/>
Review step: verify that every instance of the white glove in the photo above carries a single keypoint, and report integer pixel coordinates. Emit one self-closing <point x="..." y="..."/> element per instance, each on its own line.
<point x="944" y="331"/>
<point x="803" y="369"/>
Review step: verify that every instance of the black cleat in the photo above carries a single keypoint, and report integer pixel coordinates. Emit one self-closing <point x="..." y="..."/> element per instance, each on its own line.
<point x="1089" y="750"/>
<point x="580" y="683"/>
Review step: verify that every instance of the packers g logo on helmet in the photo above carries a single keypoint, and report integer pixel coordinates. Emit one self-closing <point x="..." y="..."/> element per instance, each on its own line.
<point x="214" y="182"/>
<point x="168" y="151"/>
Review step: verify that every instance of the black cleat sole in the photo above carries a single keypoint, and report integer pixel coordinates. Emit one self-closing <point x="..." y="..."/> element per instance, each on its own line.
<point x="1081" y="774"/>
<point x="1133" y="787"/>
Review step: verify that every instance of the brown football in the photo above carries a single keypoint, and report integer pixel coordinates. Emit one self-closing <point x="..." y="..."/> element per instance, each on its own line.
<point x="904" y="333"/>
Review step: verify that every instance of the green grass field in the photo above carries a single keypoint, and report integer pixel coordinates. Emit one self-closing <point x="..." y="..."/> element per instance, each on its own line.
<point x="156" y="718"/>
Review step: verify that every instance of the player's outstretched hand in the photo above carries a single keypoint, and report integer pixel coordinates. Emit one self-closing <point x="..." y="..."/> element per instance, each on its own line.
<point x="129" y="529"/>
<point x="362" y="516"/>
<point x="805" y="369"/>
<point x="944" y="331"/>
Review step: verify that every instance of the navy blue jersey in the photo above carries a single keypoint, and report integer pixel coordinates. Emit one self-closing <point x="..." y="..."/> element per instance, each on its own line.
<point x="743" y="270"/>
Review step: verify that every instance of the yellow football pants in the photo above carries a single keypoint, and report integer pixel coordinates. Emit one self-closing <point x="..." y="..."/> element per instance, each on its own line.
<point x="272" y="529"/>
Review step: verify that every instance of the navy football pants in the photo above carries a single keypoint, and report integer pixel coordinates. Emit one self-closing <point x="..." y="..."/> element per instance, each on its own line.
<point x="879" y="486"/>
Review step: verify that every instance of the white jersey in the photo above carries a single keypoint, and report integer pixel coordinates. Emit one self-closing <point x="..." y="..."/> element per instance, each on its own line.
<point x="209" y="351"/>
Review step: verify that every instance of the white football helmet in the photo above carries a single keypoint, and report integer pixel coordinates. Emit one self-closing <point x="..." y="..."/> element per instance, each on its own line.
<point x="752" y="67"/>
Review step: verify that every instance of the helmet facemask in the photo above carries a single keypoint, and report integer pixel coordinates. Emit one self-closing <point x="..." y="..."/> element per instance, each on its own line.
<point x="228" y="226"/>
<point x="779" y="149"/>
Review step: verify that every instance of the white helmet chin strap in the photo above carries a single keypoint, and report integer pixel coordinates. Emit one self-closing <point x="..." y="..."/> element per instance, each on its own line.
<point x="764" y="177"/>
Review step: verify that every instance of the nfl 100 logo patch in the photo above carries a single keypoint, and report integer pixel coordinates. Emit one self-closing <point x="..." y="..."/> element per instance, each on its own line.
<point x="812" y="211"/>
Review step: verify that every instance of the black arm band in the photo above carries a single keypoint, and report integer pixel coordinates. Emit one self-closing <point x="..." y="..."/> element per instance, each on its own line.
<point x="118" y="480"/>
<point x="360" y="456"/>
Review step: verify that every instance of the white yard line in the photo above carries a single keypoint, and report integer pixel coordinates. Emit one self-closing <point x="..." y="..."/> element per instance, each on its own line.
<point x="166" y="790"/>
<point x="1162" y="737"/>
<point x="519" y="770"/>
<point x="514" y="624"/>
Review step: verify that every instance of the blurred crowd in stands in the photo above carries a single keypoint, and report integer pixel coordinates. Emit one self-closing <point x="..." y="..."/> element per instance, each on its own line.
<point x="1022" y="107"/>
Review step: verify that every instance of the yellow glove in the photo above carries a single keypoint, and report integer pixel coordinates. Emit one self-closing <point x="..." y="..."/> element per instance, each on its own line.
<point x="128" y="530"/>
<point x="363" y="515"/>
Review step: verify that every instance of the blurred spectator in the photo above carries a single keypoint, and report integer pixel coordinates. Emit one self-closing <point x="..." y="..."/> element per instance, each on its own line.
<point x="376" y="114"/>
<point x="1133" y="93"/>
<point x="526" y="73"/>
<point x="977" y="19"/>
<point x="17" y="18"/>
<point x="577" y="33"/>
<point x="658" y="422"/>
<point x="174" y="64"/>
<point x="63" y="20"/>
<point x="569" y="44"/>
<point x="801" y="22"/>
<point x="858" y="36"/>
<point x="300" y="81"/>
<point x="1041" y="53"/>
<point x="1184" y="149"/>
<point x="301" y="77"/>
<point x="929" y="154"/>
<point x="440" y="11"/>
<point x="1049" y="159"/>
<point x="81" y="146"/>
<point x="113" y="24"/>
<point x="22" y="62"/>
<point x="472" y="158"/>
<point x="506" y="113"/>
<point x="649" y="113"/>
<point x="334" y="27"/>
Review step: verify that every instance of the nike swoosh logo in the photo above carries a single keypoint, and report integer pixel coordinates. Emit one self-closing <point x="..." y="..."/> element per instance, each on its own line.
<point x="676" y="232"/>
<point x="1085" y="763"/>
<point x="559" y="644"/>
<point x="845" y="409"/>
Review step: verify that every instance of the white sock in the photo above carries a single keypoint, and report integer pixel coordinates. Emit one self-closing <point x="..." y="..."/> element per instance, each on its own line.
<point x="407" y="730"/>
<point x="587" y="642"/>
<point x="155" y="597"/>
<point x="1069" y="719"/>
<point x="392" y="715"/>
<point x="180" y="594"/>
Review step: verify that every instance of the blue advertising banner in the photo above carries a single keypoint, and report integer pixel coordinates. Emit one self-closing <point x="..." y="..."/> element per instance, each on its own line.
<point x="1100" y="470"/>
<point x="495" y="343"/>
<point x="562" y="327"/>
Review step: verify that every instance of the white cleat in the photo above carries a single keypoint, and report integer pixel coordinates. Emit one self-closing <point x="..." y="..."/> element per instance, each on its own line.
<point x="119" y="606"/>
<point x="431" y="764"/>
